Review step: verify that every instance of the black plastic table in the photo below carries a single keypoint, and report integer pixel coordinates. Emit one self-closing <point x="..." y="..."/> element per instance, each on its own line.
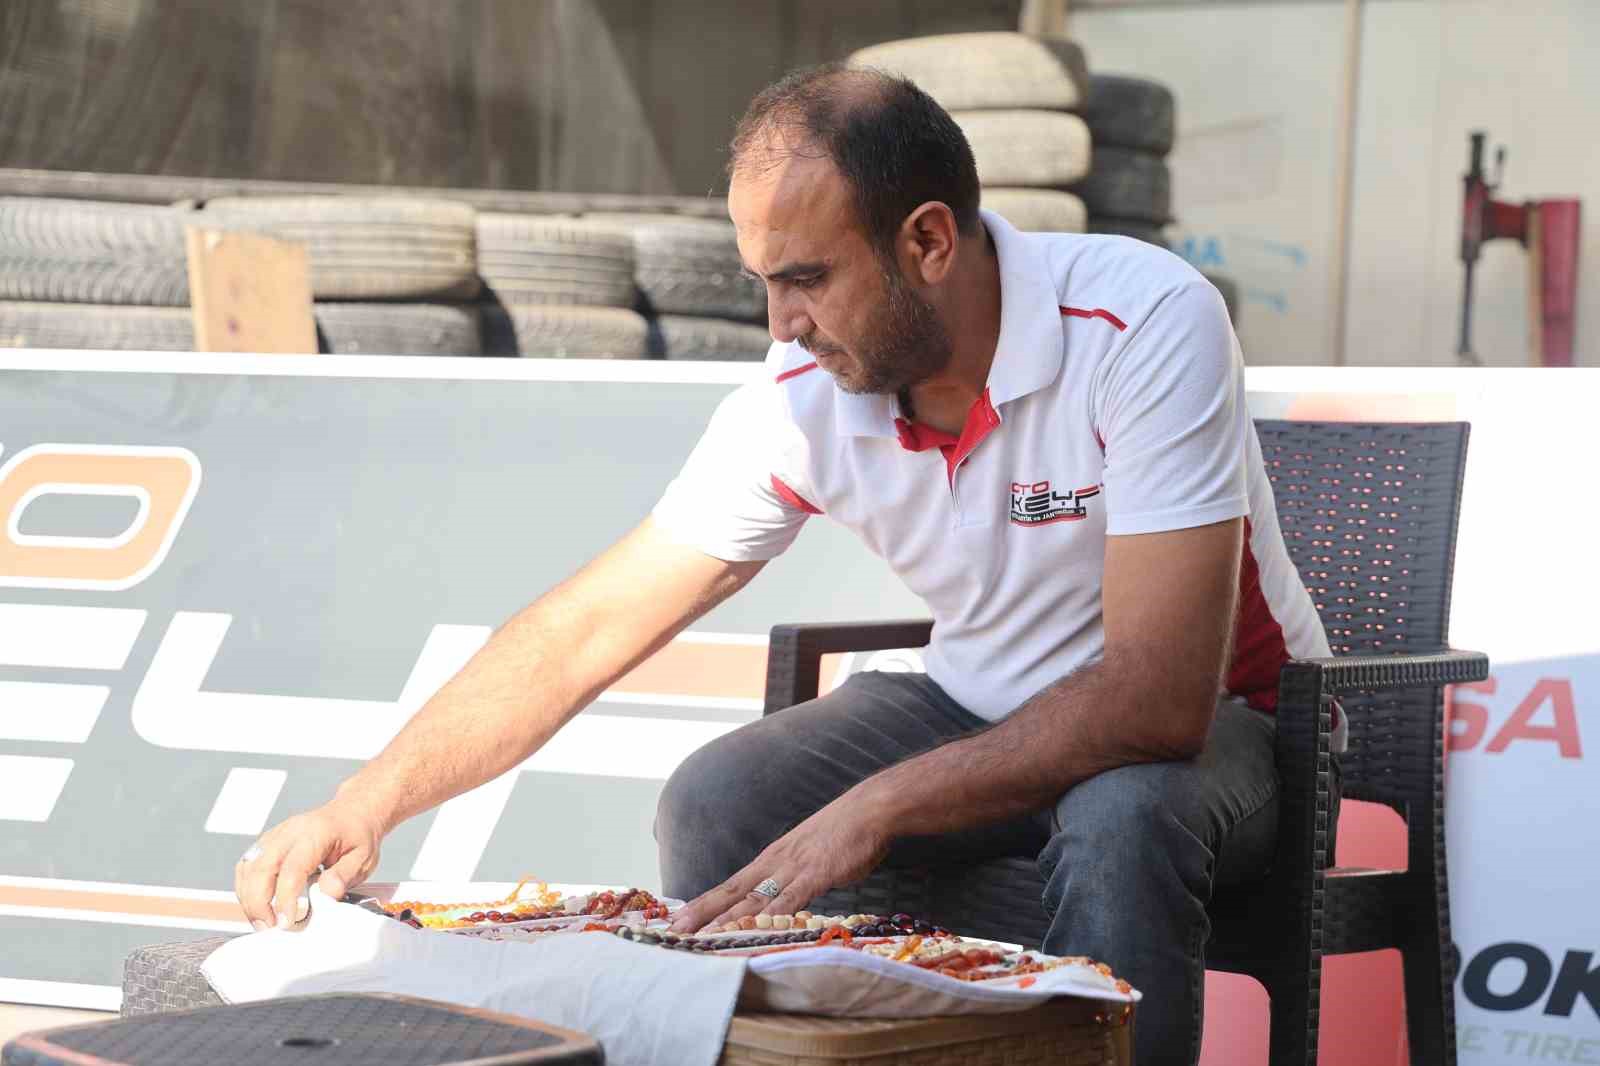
<point x="328" y="1030"/>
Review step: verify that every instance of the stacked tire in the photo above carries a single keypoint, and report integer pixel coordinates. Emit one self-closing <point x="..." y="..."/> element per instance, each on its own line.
<point x="1058" y="149"/>
<point x="1016" y="98"/>
<point x="342" y="328"/>
<point x="77" y="274"/>
<point x="367" y="248"/>
<point x="1133" y="123"/>
<point x="1128" y="191"/>
<point x="451" y="280"/>
<point x="68" y="251"/>
<point x="561" y="288"/>
<point x="618" y="286"/>
<point x="420" y="255"/>
<point x="698" y="301"/>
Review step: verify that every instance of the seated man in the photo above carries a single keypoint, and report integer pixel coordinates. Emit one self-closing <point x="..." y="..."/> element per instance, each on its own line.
<point x="1045" y="436"/>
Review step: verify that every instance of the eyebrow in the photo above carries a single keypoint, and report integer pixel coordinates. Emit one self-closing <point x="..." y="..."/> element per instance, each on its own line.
<point x="790" y="272"/>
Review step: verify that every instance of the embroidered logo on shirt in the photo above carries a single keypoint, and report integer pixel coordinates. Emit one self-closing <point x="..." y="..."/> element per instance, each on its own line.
<point x="1034" y="503"/>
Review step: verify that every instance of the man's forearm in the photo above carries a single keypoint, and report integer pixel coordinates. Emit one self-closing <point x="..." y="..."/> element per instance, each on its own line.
<point x="1096" y="719"/>
<point x="539" y="669"/>
<point x="508" y="700"/>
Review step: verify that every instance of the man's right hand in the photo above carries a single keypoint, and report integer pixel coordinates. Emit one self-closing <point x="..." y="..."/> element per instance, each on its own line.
<point x="339" y="837"/>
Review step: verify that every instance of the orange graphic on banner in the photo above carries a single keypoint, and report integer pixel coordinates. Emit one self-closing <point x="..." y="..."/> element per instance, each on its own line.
<point x="164" y="480"/>
<point x="121" y="903"/>
<point x="688" y="670"/>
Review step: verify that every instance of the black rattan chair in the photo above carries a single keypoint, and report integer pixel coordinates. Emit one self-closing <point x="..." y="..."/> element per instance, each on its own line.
<point x="1369" y="514"/>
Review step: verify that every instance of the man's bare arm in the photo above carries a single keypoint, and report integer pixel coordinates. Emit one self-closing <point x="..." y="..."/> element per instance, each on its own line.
<point x="543" y="666"/>
<point x="1168" y="605"/>
<point x="534" y="674"/>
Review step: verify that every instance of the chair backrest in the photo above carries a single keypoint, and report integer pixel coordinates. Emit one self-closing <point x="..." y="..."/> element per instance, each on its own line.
<point x="1368" y="513"/>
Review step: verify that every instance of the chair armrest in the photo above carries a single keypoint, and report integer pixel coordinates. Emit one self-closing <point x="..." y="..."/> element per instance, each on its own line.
<point x="1406" y="670"/>
<point x="794" y="654"/>
<point x="1306" y="690"/>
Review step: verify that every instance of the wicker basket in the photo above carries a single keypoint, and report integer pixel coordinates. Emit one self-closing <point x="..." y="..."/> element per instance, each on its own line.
<point x="1063" y="1032"/>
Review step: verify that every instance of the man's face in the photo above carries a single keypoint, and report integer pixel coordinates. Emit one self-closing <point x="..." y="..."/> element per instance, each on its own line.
<point x="827" y="286"/>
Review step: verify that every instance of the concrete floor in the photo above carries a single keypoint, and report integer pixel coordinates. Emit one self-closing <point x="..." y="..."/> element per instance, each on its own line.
<point x="16" y="1018"/>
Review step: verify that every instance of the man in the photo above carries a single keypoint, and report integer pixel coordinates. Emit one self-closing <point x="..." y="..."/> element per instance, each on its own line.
<point x="1046" y="438"/>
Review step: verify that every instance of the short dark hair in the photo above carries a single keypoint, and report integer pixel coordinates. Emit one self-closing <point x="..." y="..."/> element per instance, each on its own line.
<point x="893" y="143"/>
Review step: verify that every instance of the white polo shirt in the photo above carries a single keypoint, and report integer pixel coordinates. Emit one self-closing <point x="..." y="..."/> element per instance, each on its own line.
<point x="1115" y="405"/>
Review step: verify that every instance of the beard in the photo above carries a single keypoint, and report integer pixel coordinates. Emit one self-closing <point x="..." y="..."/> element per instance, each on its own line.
<point x="907" y="345"/>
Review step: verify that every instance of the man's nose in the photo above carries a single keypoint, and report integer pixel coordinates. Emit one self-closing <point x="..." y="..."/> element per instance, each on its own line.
<point x="786" y="318"/>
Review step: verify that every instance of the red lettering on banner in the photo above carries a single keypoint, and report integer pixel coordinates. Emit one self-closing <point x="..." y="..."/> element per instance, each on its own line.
<point x="1474" y="716"/>
<point x="1469" y="719"/>
<point x="1564" y="732"/>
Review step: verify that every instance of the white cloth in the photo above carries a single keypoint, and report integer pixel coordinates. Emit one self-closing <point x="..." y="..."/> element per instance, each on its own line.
<point x="1115" y="406"/>
<point x="643" y="1005"/>
<point x="853" y="984"/>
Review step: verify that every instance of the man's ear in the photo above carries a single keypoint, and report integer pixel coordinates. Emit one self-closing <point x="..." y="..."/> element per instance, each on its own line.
<point x="928" y="241"/>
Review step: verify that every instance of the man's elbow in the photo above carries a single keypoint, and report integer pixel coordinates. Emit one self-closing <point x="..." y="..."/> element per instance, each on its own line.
<point x="1173" y="706"/>
<point x="1188" y="727"/>
<point x="1174" y="746"/>
<point x="1187" y="745"/>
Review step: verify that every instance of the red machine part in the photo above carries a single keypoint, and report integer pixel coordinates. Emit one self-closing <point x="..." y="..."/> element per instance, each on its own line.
<point x="1550" y="229"/>
<point x="1557" y="228"/>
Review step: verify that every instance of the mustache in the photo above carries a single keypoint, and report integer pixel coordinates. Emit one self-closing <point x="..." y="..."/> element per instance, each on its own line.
<point x="816" y="346"/>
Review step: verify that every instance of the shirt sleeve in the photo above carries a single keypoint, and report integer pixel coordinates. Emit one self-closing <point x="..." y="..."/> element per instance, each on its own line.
<point x="744" y="493"/>
<point x="1170" y="410"/>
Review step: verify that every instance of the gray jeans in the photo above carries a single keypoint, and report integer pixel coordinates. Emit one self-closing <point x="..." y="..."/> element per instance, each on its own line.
<point x="1129" y="857"/>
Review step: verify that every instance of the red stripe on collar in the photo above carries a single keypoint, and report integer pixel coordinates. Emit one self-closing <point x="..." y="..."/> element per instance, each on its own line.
<point x="796" y="372"/>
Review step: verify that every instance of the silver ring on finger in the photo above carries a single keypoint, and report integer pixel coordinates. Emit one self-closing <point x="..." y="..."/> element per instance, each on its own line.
<point x="768" y="888"/>
<point x="251" y="854"/>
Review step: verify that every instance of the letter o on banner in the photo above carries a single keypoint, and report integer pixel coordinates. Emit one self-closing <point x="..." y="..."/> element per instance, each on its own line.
<point x="163" y="480"/>
<point x="1535" y="978"/>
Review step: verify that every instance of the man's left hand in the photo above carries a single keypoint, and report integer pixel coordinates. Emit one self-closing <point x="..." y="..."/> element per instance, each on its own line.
<point x="836" y="846"/>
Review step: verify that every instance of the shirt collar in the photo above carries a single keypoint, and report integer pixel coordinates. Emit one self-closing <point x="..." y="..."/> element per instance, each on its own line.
<point x="1030" y="350"/>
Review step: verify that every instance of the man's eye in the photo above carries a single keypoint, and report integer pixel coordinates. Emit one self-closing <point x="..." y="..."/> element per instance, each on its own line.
<point x="810" y="281"/>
